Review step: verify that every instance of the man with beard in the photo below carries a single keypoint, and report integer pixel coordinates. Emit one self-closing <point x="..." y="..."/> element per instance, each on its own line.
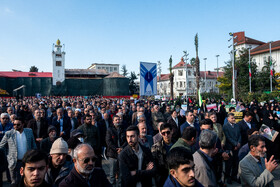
<point x="254" y="169"/>
<point x="18" y="140"/>
<point x="84" y="173"/>
<point x="144" y="139"/>
<point x="136" y="162"/>
<point x="34" y="168"/>
<point x="181" y="169"/>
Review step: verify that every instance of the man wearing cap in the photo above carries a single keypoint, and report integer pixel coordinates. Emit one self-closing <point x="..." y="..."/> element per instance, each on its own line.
<point x="60" y="163"/>
<point x="18" y="140"/>
<point x="84" y="172"/>
<point x="46" y="143"/>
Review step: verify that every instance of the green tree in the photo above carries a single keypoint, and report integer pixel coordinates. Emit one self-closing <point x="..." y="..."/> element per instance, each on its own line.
<point x="124" y="71"/>
<point x="197" y="64"/>
<point x="171" y="77"/>
<point x="132" y="84"/>
<point x="33" y="69"/>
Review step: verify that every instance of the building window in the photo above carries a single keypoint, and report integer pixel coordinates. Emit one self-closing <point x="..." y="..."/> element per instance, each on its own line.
<point x="111" y="69"/>
<point x="180" y="72"/>
<point x="181" y="85"/>
<point x="264" y="59"/>
<point x="58" y="83"/>
<point x="58" y="55"/>
<point x="189" y="73"/>
<point x="58" y="63"/>
<point x="115" y="69"/>
<point x="176" y="84"/>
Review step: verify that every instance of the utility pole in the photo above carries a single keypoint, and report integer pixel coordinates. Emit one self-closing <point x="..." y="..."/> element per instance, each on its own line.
<point x="271" y="68"/>
<point x="205" y="75"/>
<point x="233" y="69"/>
<point x="185" y="57"/>
<point x="217" y="66"/>
<point x="159" y="70"/>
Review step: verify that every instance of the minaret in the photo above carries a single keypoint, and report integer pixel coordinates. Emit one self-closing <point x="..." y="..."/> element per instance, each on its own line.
<point x="58" y="64"/>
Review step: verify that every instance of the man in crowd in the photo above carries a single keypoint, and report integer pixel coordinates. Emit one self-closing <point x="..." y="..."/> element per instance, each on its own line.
<point x="62" y="124"/>
<point x="84" y="172"/>
<point x="244" y="150"/>
<point x="157" y="116"/>
<point x="174" y="122"/>
<point x="187" y="140"/>
<point x="190" y="121"/>
<point x="204" y="169"/>
<point x="5" y="124"/>
<point x="73" y="119"/>
<point x="254" y="169"/>
<point x="115" y="140"/>
<point x="136" y="162"/>
<point x="245" y="125"/>
<point x="60" y="163"/>
<point x="33" y="169"/>
<point x="217" y="128"/>
<point x="160" y="151"/>
<point x="181" y="169"/>
<point x="46" y="143"/>
<point x="91" y="132"/>
<point x="18" y="140"/>
<point x="144" y="139"/>
<point x="39" y="127"/>
<point x="233" y="142"/>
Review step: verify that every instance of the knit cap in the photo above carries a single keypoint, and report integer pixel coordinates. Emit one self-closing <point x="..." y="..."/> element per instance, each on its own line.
<point x="59" y="146"/>
<point x="51" y="127"/>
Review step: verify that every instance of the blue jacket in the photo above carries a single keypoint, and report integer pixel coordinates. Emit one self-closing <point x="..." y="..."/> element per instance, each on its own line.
<point x="186" y="124"/>
<point x="7" y="127"/>
<point x="172" y="182"/>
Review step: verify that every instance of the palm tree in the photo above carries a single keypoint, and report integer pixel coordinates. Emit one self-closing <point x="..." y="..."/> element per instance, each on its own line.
<point x="197" y="70"/>
<point x="171" y="77"/>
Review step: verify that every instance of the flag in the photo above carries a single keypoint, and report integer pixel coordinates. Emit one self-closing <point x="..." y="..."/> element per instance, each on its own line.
<point x="200" y="98"/>
<point x="250" y="73"/>
<point x="148" y="78"/>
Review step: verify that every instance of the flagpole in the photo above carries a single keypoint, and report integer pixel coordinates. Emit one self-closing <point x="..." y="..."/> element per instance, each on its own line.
<point x="270" y="63"/>
<point x="250" y="73"/>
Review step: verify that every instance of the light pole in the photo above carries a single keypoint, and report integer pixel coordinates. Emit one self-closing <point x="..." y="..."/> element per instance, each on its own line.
<point x="250" y="73"/>
<point x="232" y="56"/>
<point x="270" y="64"/>
<point x="217" y="66"/>
<point x="186" y="54"/>
<point x="205" y="74"/>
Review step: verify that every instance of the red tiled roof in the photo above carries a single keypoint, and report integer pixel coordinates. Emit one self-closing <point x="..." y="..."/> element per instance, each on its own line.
<point x="265" y="48"/>
<point x="181" y="64"/>
<point x="242" y="39"/>
<point x="163" y="77"/>
<point x="12" y="74"/>
<point x="211" y="74"/>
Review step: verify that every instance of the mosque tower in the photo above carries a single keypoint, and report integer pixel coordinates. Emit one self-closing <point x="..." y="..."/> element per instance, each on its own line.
<point x="58" y="57"/>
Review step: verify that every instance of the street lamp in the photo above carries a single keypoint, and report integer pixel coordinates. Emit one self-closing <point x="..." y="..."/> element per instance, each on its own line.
<point x="270" y="64"/>
<point x="217" y="66"/>
<point x="186" y="54"/>
<point x="205" y="74"/>
<point x="232" y="56"/>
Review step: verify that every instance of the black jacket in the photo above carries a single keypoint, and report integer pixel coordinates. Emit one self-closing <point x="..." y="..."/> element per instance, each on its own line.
<point x="98" y="179"/>
<point x="43" y="133"/>
<point x="243" y="131"/>
<point x="128" y="162"/>
<point x="112" y="137"/>
<point x="66" y="126"/>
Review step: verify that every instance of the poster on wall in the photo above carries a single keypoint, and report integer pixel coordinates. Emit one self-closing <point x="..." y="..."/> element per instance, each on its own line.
<point x="148" y="79"/>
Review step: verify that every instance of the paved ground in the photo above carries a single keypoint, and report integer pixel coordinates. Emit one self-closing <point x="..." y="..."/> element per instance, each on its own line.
<point x="105" y="165"/>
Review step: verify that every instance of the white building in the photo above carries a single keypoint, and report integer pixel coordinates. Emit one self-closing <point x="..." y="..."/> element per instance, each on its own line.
<point x="58" y="64"/>
<point x="108" y="67"/>
<point x="259" y="50"/>
<point x="179" y="86"/>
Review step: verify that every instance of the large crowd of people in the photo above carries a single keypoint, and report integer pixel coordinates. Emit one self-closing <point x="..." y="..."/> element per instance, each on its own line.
<point x="63" y="141"/>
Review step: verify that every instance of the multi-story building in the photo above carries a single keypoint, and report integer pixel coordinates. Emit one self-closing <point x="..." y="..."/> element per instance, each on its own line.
<point x="180" y="87"/>
<point x="260" y="51"/>
<point x="110" y="68"/>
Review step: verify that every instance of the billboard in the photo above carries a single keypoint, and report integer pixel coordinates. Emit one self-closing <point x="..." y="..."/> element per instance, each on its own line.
<point x="148" y="79"/>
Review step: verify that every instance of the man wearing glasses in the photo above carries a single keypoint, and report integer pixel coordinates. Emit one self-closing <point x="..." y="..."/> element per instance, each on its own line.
<point x="19" y="140"/>
<point x="159" y="152"/>
<point x="84" y="172"/>
<point x="5" y="124"/>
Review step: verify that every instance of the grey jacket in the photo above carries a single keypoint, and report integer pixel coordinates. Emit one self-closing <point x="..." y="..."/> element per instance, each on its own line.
<point x="251" y="173"/>
<point x="10" y="139"/>
<point x="203" y="172"/>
